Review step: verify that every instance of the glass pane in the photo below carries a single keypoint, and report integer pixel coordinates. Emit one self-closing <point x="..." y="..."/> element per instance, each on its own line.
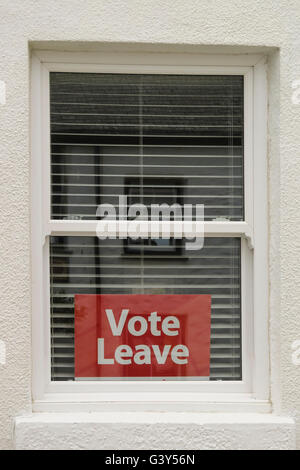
<point x="153" y="268"/>
<point x="152" y="138"/>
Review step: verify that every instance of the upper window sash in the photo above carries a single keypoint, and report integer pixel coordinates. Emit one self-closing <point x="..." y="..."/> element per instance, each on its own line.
<point x="236" y="228"/>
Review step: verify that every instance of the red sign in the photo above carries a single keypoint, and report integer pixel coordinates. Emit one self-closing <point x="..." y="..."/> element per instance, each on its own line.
<point x="142" y="336"/>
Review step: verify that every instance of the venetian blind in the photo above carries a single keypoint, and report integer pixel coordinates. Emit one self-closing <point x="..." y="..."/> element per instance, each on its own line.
<point x="155" y="139"/>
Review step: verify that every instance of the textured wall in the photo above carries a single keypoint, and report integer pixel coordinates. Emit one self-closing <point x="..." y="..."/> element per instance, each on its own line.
<point x="274" y="23"/>
<point x="155" y="431"/>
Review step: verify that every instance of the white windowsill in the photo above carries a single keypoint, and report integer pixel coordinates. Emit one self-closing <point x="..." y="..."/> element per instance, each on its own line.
<point x="150" y="430"/>
<point x="153" y="402"/>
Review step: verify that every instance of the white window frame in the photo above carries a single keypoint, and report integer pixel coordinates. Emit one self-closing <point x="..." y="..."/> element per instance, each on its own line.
<point x="252" y="392"/>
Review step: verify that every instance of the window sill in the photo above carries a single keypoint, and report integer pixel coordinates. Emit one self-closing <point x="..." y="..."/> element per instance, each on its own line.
<point x="152" y="430"/>
<point x="151" y="402"/>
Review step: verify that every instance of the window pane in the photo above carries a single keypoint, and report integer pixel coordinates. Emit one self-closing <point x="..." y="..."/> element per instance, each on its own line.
<point x="150" y="137"/>
<point x="87" y="265"/>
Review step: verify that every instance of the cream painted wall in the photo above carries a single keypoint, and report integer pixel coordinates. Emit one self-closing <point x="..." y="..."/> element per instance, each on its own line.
<point x="147" y="25"/>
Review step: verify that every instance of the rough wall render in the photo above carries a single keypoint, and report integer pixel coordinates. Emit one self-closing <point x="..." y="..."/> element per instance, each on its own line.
<point x="155" y="431"/>
<point x="144" y="25"/>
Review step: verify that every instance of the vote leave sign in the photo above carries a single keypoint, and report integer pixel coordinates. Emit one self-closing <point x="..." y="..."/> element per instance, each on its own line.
<point x="142" y="336"/>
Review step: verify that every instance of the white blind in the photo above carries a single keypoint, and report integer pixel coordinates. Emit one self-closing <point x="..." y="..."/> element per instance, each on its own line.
<point x="154" y="138"/>
<point x="119" y="134"/>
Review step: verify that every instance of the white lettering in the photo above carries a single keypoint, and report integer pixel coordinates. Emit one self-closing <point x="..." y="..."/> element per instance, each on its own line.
<point x="144" y="356"/>
<point x="153" y="319"/>
<point x="101" y="358"/>
<point x="161" y="358"/>
<point x="170" y="322"/>
<point x="143" y="326"/>
<point x="180" y="351"/>
<point x="116" y="329"/>
<point x="123" y="351"/>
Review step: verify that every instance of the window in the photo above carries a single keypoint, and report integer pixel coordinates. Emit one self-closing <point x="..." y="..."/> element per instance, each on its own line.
<point x="152" y="134"/>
